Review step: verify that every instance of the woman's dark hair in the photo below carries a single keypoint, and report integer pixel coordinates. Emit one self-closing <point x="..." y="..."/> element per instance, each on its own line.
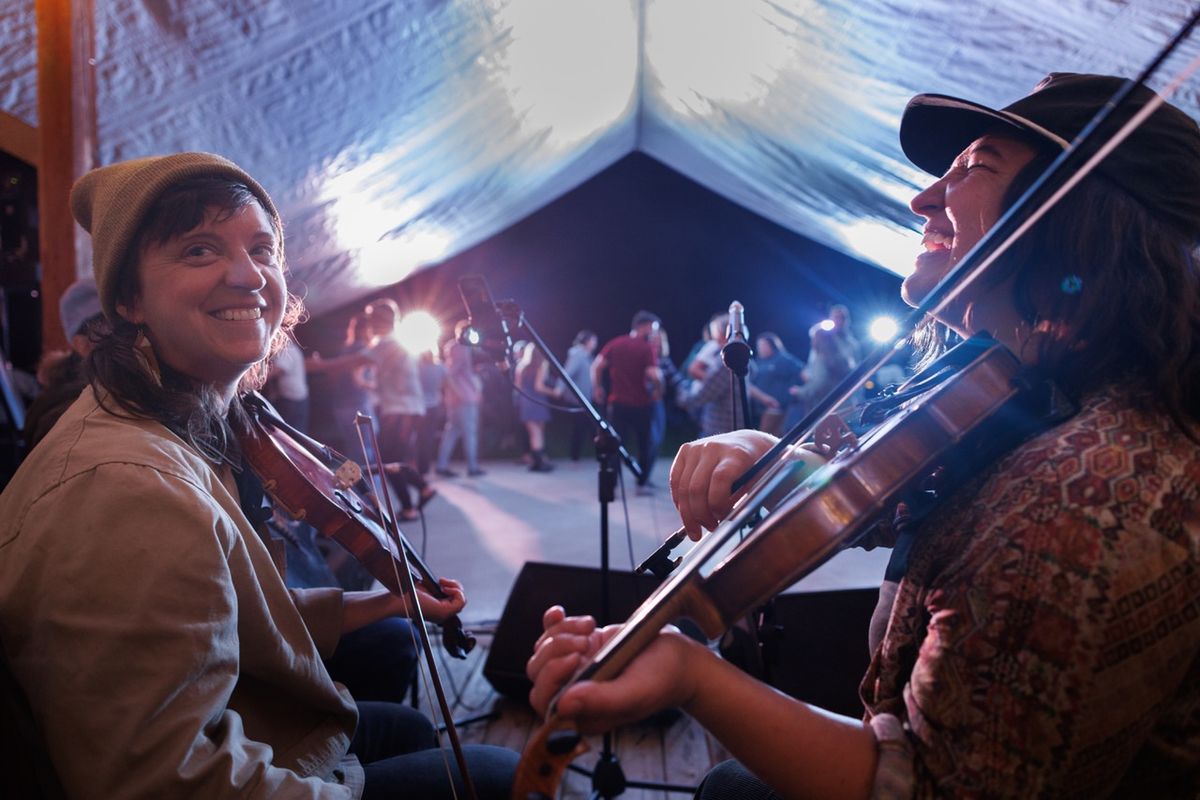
<point x="116" y="363"/>
<point x="1110" y="292"/>
<point x="583" y="336"/>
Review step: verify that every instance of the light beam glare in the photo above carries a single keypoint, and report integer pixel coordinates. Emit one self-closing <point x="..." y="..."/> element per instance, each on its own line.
<point x="392" y="260"/>
<point x="569" y="67"/>
<point x="418" y="332"/>
<point x="881" y="243"/>
<point x="883" y="329"/>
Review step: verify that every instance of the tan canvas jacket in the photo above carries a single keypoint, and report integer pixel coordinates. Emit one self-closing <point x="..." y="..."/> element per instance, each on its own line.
<point x="143" y="619"/>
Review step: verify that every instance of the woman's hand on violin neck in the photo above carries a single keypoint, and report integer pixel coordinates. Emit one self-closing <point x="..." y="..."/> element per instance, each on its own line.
<point x="704" y="471"/>
<point x="363" y="608"/>
<point x="662" y="676"/>
<point x="438" y="611"/>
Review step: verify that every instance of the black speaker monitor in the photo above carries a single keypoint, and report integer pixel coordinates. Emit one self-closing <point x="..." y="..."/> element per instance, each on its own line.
<point x="539" y="586"/>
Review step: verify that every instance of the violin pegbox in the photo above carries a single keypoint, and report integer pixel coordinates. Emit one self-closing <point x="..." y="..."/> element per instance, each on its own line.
<point x="832" y="435"/>
<point x="347" y="475"/>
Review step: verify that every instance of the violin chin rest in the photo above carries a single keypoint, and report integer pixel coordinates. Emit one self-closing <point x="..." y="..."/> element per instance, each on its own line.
<point x="562" y="742"/>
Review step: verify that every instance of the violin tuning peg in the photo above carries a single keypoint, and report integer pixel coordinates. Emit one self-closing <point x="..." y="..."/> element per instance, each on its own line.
<point x="832" y="435"/>
<point x="348" y="474"/>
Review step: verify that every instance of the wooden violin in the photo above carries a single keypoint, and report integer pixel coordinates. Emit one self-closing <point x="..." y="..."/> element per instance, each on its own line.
<point x="314" y="483"/>
<point x="829" y="510"/>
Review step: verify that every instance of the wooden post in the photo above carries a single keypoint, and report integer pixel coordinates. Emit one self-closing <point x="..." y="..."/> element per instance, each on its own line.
<point x="19" y="138"/>
<point x="67" y="139"/>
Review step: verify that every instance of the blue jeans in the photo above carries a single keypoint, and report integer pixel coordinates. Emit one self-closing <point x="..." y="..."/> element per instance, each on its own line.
<point x="377" y="661"/>
<point x="460" y="421"/>
<point x="637" y="420"/>
<point x="394" y="744"/>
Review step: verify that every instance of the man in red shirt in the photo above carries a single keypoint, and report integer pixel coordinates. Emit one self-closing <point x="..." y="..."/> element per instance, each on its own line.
<point x="634" y="382"/>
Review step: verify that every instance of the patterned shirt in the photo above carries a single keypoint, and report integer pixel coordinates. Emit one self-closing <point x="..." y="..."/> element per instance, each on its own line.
<point x="1044" y="640"/>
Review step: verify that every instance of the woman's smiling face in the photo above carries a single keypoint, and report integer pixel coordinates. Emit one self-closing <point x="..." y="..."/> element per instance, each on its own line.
<point x="961" y="206"/>
<point x="212" y="299"/>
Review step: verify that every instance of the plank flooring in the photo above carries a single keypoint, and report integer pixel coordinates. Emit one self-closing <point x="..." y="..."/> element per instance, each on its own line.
<point x="674" y="751"/>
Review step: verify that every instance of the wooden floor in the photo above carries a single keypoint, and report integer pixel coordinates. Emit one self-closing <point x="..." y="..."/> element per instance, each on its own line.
<point x="674" y="751"/>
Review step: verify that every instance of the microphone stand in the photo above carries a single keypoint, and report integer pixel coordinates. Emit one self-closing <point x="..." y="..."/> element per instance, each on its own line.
<point x="608" y="779"/>
<point x="736" y="355"/>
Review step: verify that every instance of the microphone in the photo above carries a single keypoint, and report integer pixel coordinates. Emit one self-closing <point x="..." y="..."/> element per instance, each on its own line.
<point x="737" y="329"/>
<point x="736" y="353"/>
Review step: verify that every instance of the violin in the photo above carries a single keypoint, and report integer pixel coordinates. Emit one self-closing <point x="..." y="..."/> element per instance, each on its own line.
<point x="298" y="473"/>
<point x="315" y="484"/>
<point x="721" y="579"/>
<point x="829" y="510"/>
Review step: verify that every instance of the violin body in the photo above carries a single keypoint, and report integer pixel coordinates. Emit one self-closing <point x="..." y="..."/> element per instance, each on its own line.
<point x="828" y="511"/>
<point x="309" y="490"/>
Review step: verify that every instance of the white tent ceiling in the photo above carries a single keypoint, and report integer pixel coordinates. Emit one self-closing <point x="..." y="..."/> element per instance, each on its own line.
<point x="396" y="133"/>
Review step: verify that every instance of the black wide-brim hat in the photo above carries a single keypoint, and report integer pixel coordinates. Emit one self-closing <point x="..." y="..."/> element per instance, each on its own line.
<point x="1159" y="164"/>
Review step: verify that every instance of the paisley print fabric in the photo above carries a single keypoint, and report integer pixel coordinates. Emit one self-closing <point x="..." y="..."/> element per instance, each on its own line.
<point x="1043" y="641"/>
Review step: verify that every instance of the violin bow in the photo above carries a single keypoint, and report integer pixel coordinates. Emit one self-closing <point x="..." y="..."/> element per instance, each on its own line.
<point x="404" y="578"/>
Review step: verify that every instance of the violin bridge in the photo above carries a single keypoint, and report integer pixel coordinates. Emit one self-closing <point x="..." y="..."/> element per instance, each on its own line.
<point x="832" y="435"/>
<point x="348" y="474"/>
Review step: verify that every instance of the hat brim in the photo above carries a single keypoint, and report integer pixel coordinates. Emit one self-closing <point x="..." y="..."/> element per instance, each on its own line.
<point x="935" y="128"/>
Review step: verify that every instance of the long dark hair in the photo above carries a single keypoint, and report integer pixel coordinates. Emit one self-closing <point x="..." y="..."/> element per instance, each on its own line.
<point x="1111" y="292"/>
<point x="117" y="363"/>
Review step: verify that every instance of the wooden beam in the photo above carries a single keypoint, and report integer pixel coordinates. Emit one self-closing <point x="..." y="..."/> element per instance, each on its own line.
<point x="66" y="138"/>
<point x="19" y="138"/>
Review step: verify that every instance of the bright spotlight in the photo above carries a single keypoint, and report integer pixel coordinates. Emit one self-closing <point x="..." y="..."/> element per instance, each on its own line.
<point x="826" y="324"/>
<point x="419" y="332"/>
<point x="883" y="329"/>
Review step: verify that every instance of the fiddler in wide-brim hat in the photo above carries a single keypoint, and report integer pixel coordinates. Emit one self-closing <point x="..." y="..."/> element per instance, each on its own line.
<point x="1159" y="164"/>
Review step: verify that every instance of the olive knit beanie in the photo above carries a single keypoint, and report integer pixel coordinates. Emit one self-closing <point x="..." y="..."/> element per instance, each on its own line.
<point x="110" y="203"/>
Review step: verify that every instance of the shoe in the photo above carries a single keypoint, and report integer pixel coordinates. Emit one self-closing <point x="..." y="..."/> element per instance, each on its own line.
<point x="446" y="473"/>
<point x="475" y="473"/>
<point x="410" y="515"/>
<point x="427" y="494"/>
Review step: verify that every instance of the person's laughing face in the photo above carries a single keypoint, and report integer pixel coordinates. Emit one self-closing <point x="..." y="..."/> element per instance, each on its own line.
<point x="961" y="206"/>
<point x="212" y="299"/>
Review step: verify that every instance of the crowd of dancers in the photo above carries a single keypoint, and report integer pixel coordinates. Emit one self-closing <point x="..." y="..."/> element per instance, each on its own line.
<point x="429" y="402"/>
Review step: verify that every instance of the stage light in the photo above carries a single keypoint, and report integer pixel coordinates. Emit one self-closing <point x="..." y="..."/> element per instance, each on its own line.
<point x="883" y="329"/>
<point x="826" y="325"/>
<point x="419" y="332"/>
